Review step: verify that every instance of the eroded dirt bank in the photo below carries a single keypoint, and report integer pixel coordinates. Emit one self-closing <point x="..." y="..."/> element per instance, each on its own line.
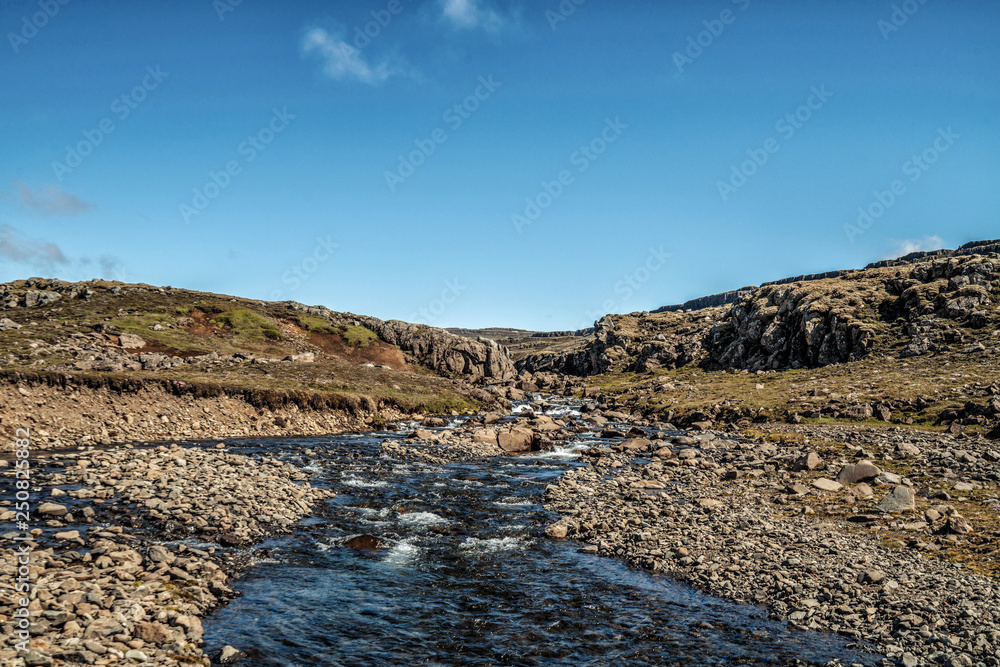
<point x="64" y="411"/>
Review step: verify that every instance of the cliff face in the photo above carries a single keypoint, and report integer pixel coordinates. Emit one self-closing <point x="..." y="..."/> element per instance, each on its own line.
<point x="445" y="352"/>
<point x="830" y="321"/>
<point x="792" y="326"/>
<point x="917" y="305"/>
<point x="637" y="342"/>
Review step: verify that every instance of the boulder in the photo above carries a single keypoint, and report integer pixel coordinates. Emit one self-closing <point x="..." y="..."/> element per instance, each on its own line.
<point x="900" y="499"/>
<point x="52" y="509"/>
<point x="131" y="340"/>
<point x="160" y="554"/>
<point x="824" y="484"/>
<point x="862" y="471"/>
<point x="516" y="441"/>
<point x="557" y="531"/>
<point x="34" y="298"/>
<point x="808" y="461"/>
<point x="484" y="436"/>
<point x="154" y="633"/>
<point x="636" y="445"/>
<point x="229" y="655"/>
<point x="364" y="543"/>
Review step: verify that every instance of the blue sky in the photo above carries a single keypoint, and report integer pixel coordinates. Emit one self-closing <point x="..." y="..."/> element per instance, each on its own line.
<point x="491" y="163"/>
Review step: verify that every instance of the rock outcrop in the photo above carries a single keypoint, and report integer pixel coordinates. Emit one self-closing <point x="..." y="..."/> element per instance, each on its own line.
<point x="445" y="352"/>
<point x="637" y="342"/>
<point x="793" y="326"/>
<point x="920" y="304"/>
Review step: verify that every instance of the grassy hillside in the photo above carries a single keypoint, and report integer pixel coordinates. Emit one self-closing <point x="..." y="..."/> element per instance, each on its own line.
<point x="102" y="328"/>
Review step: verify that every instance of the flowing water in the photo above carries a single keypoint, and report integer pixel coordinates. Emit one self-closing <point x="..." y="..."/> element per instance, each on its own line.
<point x="466" y="577"/>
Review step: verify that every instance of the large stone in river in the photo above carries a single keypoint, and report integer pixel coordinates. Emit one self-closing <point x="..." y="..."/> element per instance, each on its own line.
<point x="52" y="508"/>
<point x="364" y="542"/>
<point x="557" y="530"/>
<point x="518" y="440"/>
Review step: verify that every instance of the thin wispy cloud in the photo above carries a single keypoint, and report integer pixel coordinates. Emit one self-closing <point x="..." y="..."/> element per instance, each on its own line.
<point x="21" y="254"/>
<point x="343" y="61"/>
<point x="470" y="14"/>
<point x="14" y="248"/>
<point x="907" y="246"/>
<point x="49" y="200"/>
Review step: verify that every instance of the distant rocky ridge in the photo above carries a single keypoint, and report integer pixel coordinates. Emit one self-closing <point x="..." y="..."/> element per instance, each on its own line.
<point x="726" y="298"/>
<point x="918" y="304"/>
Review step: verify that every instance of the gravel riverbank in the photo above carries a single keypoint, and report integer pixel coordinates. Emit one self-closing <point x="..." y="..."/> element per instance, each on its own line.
<point x="111" y="585"/>
<point x="769" y="523"/>
<point x="885" y="536"/>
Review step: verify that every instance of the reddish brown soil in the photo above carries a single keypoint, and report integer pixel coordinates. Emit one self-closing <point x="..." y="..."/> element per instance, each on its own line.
<point x="378" y="352"/>
<point x="200" y="325"/>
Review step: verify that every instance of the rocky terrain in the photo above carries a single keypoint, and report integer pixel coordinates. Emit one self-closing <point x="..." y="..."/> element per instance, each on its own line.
<point x="841" y="463"/>
<point x="908" y="341"/>
<point x="891" y="540"/>
<point x="920" y="304"/>
<point x="107" y="590"/>
<point x="101" y="362"/>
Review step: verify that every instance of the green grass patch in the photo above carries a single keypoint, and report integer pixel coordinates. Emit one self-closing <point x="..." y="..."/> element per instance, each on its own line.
<point x="247" y="324"/>
<point x="315" y="324"/>
<point x="358" y="336"/>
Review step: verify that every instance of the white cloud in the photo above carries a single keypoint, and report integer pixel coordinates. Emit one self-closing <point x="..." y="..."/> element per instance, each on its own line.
<point x="468" y="14"/>
<point x="39" y="255"/>
<point x="343" y="61"/>
<point x="49" y="200"/>
<point x="916" y="245"/>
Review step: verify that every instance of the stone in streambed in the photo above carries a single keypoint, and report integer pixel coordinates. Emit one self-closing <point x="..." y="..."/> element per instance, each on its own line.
<point x="364" y="543"/>
<point x="52" y="509"/>
<point x="557" y="531"/>
<point x="518" y="440"/>
<point x="484" y="437"/>
<point x="229" y="655"/>
<point x="635" y="445"/>
<point x="36" y="659"/>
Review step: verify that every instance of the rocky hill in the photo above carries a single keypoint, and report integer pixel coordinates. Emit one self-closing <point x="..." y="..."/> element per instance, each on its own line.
<point x="124" y="339"/>
<point x="919" y="304"/>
